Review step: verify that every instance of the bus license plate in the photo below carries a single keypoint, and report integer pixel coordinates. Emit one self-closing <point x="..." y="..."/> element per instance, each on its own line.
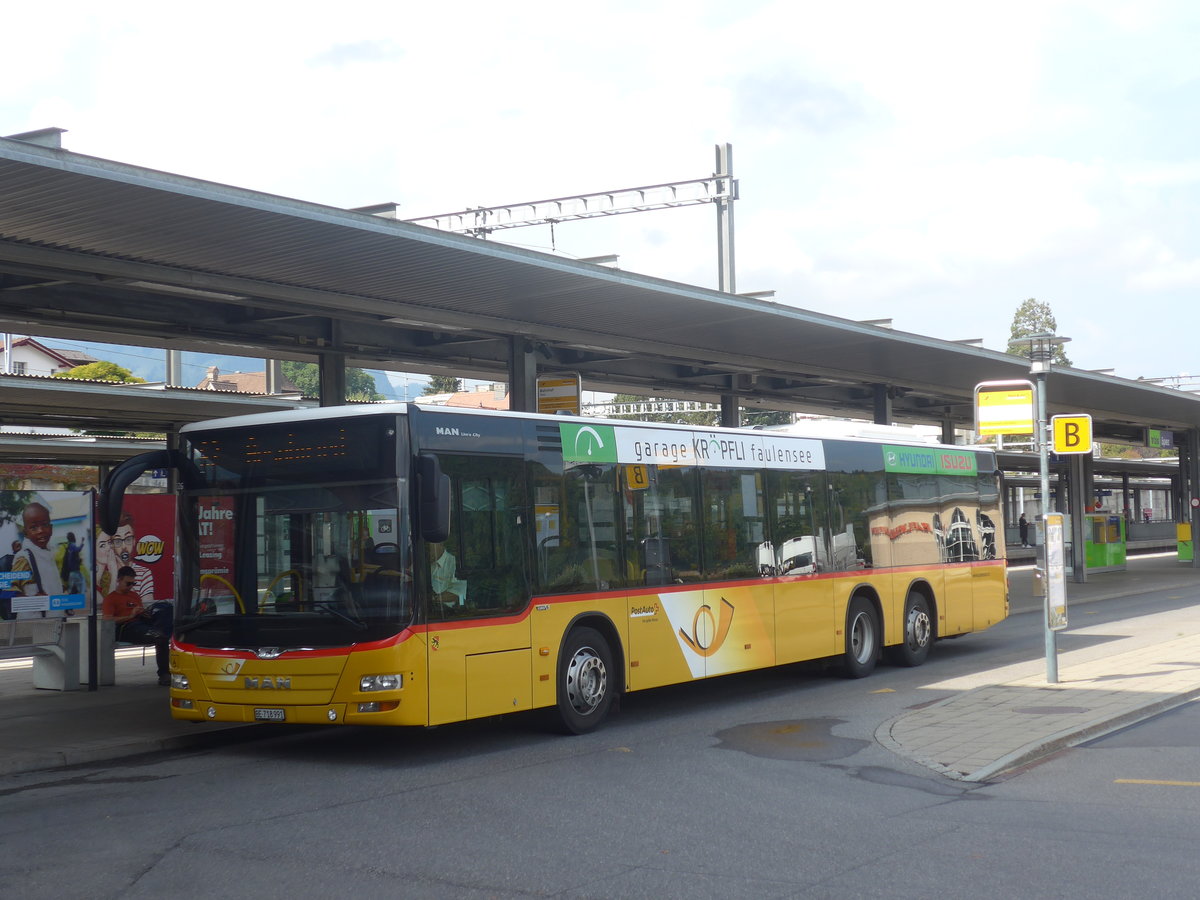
<point x="269" y="715"/>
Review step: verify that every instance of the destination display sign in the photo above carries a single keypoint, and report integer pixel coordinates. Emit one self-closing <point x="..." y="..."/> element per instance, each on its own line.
<point x="668" y="447"/>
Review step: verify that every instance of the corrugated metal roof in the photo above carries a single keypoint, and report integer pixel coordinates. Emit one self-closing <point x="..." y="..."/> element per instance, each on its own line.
<point x="93" y="405"/>
<point x="271" y="274"/>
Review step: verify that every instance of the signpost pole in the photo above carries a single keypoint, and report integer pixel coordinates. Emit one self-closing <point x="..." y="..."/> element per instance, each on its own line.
<point x="1039" y="373"/>
<point x="1012" y="407"/>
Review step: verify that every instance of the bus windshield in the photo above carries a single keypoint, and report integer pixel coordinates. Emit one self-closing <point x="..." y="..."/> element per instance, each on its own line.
<point x="281" y="556"/>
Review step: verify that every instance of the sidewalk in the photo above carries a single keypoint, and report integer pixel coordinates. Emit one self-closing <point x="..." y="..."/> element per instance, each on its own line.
<point x="976" y="727"/>
<point x="48" y="729"/>
<point x="1109" y="676"/>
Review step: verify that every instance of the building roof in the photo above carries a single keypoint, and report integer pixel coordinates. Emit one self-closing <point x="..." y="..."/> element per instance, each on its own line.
<point x="244" y="382"/>
<point x="494" y="396"/>
<point x="63" y="357"/>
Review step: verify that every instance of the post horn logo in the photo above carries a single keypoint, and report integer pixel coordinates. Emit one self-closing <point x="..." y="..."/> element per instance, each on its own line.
<point x="709" y="632"/>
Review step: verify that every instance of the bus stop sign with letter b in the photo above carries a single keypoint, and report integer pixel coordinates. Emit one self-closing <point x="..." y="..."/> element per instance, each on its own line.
<point x="1072" y="434"/>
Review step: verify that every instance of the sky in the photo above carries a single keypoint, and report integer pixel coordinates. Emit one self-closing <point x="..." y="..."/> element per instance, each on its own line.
<point x="932" y="163"/>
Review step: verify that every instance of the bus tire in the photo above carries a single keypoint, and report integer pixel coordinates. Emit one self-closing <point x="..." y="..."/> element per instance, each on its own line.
<point x="585" y="681"/>
<point x="862" y="639"/>
<point x="918" y="632"/>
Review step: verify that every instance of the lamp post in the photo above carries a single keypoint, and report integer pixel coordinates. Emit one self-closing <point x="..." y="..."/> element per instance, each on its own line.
<point x="1041" y="356"/>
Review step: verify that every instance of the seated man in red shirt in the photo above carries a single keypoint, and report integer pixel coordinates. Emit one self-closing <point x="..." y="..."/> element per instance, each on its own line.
<point x="138" y="625"/>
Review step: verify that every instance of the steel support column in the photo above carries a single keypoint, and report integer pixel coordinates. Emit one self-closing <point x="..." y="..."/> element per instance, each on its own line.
<point x="725" y="261"/>
<point x="730" y="417"/>
<point x="274" y="375"/>
<point x="883" y="404"/>
<point x="1193" y="492"/>
<point x="1080" y="490"/>
<point x="332" y="368"/>
<point x="522" y="375"/>
<point x="174" y="374"/>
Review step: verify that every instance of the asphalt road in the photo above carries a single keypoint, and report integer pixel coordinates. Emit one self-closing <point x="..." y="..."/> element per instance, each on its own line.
<point x="759" y="786"/>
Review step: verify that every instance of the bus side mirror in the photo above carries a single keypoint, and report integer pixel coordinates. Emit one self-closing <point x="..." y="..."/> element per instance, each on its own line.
<point x="433" y="499"/>
<point x="123" y="475"/>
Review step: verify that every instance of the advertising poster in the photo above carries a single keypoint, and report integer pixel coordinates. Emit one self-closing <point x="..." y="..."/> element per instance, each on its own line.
<point x="144" y="541"/>
<point x="45" y="554"/>
<point x="217" y="593"/>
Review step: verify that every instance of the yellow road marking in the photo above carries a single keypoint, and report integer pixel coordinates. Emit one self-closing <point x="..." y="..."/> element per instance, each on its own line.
<point x="1155" y="781"/>
<point x="884" y="691"/>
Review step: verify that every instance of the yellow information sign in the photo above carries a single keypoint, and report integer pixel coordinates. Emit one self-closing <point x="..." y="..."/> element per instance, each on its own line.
<point x="1072" y="434"/>
<point x="557" y="393"/>
<point x="637" y="476"/>
<point x="1004" y="408"/>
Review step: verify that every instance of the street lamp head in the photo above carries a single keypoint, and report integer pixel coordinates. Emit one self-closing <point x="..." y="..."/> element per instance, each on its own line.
<point x="1041" y="349"/>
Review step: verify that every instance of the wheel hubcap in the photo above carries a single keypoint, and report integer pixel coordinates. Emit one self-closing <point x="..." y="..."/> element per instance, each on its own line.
<point x="587" y="680"/>
<point x="861" y="637"/>
<point x="918" y="628"/>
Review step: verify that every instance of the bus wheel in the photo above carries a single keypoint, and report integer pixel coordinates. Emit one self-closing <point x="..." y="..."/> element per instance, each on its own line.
<point x="585" y="690"/>
<point x="862" y="639"/>
<point x="918" y="633"/>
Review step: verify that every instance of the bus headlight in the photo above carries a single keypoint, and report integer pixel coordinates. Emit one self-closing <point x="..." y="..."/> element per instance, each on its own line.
<point x="180" y="682"/>
<point x="381" y="682"/>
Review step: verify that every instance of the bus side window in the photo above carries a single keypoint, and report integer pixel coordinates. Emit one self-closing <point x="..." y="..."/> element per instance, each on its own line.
<point x="663" y="525"/>
<point x="578" y="522"/>
<point x="734" y="523"/>
<point x="859" y="515"/>
<point x="480" y="568"/>
<point x="798" y="525"/>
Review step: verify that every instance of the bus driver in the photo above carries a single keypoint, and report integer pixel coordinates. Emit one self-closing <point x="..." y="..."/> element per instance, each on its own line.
<point x="448" y="589"/>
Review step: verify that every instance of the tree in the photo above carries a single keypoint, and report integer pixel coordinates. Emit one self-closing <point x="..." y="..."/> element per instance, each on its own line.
<point x="1034" y="317"/>
<point x="763" y="418"/>
<point x="442" y="384"/>
<point x="102" y="370"/>
<point x="360" y="384"/>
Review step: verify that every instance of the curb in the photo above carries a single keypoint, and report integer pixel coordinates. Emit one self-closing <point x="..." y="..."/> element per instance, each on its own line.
<point x="211" y="738"/>
<point x="1070" y="738"/>
<point x="1034" y="750"/>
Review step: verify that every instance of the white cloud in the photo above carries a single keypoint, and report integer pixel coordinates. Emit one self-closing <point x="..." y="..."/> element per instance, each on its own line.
<point x="894" y="159"/>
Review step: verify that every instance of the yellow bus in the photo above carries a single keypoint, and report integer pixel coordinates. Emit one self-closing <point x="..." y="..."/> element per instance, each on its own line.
<point x="404" y="564"/>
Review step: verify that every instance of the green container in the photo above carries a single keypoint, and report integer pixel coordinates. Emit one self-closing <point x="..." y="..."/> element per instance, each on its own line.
<point x="1104" y="542"/>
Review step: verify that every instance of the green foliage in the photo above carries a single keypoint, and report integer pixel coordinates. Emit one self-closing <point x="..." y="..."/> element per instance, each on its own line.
<point x="1035" y="317"/>
<point x="12" y="504"/>
<point x="761" y="418"/>
<point x="102" y="370"/>
<point x="360" y="385"/>
<point x="442" y="384"/>
<point x="305" y="376"/>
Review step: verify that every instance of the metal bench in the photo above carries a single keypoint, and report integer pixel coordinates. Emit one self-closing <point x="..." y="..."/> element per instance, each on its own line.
<point x="53" y="646"/>
<point x="106" y="656"/>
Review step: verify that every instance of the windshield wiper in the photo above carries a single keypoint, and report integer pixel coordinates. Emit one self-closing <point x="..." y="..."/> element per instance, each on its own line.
<point x="341" y="614"/>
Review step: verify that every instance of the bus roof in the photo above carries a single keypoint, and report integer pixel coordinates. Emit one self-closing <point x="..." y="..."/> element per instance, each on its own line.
<point x="837" y="429"/>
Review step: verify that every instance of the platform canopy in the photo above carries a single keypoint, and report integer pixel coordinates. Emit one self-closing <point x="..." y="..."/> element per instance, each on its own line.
<point x="106" y="251"/>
